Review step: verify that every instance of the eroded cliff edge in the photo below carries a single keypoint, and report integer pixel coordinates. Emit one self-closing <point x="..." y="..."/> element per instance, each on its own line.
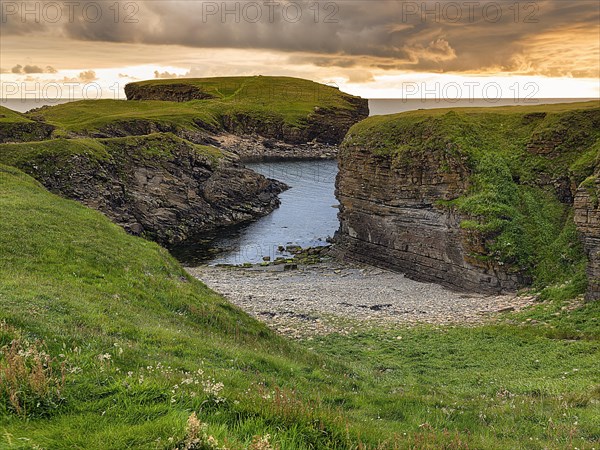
<point x="281" y="113"/>
<point x="484" y="200"/>
<point x="158" y="186"/>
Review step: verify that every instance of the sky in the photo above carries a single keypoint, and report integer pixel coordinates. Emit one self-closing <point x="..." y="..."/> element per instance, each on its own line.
<point x="372" y="48"/>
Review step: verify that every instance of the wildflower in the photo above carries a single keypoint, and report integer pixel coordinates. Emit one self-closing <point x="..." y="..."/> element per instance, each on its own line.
<point x="261" y="443"/>
<point x="104" y="357"/>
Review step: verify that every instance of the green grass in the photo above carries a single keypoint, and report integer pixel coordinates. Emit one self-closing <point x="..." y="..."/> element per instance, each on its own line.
<point x="78" y="287"/>
<point x="86" y="288"/>
<point x="45" y="157"/>
<point x="264" y="100"/>
<point x="511" y="201"/>
<point x="493" y="387"/>
<point x="93" y="115"/>
<point x="9" y="116"/>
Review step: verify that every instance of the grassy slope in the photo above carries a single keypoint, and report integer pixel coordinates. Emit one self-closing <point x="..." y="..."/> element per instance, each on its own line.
<point x="492" y="387"/>
<point x="527" y="228"/>
<point x="290" y="100"/>
<point x="75" y="280"/>
<point x="10" y="116"/>
<point x="79" y="283"/>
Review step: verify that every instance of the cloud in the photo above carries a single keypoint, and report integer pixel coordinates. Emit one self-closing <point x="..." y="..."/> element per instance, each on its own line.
<point x="166" y="74"/>
<point x="392" y="35"/>
<point x="87" y="76"/>
<point x="436" y="51"/>
<point x="360" y="76"/>
<point x="29" y="69"/>
<point x="32" y="69"/>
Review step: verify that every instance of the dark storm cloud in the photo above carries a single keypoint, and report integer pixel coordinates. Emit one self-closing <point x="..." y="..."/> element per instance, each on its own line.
<point x="424" y="36"/>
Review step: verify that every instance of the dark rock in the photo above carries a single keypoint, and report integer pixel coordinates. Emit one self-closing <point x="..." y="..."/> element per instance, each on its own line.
<point x="168" y="198"/>
<point x="24" y="131"/>
<point x="173" y="92"/>
<point x="587" y="219"/>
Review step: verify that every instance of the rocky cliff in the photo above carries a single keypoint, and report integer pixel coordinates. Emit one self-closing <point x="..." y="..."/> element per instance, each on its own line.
<point x="273" y="115"/>
<point x="15" y="127"/>
<point x="159" y="186"/>
<point x="390" y="216"/>
<point x="587" y="218"/>
<point x="475" y="199"/>
<point x="170" y="92"/>
<point x="254" y="117"/>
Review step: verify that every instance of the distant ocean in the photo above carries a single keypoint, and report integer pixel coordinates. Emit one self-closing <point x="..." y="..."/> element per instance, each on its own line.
<point x="377" y="106"/>
<point x="391" y="106"/>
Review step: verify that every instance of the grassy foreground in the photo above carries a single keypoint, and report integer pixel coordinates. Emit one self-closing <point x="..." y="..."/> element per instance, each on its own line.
<point x="108" y="343"/>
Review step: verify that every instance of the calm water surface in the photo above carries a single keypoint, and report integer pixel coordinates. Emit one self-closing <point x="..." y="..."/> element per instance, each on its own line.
<point x="307" y="217"/>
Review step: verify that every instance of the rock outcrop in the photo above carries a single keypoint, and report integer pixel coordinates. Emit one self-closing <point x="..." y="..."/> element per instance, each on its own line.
<point x="462" y="198"/>
<point x="323" y="125"/>
<point x="158" y="186"/>
<point x="171" y="92"/>
<point x="587" y="219"/>
<point x="15" y="127"/>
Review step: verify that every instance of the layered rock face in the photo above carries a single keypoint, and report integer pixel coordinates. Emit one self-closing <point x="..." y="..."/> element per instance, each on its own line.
<point x="587" y="219"/>
<point x="323" y="126"/>
<point x="159" y="186"/>
<point x="473" y="199"/>
<point x="389" y="217"/>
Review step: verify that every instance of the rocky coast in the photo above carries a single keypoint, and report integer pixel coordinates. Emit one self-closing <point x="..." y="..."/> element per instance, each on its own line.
<point x="332" y="296"/>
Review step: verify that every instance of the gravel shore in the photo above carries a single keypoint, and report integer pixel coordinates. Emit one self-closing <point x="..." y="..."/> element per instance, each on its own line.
<point x="341" y="297"/>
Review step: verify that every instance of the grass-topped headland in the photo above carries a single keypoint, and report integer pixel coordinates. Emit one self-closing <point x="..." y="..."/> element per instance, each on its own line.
<point x="107" y="343"/>
<point x="151" y="164"/>
<point x="512" y="172"/>
<point x="290" y="109"/>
